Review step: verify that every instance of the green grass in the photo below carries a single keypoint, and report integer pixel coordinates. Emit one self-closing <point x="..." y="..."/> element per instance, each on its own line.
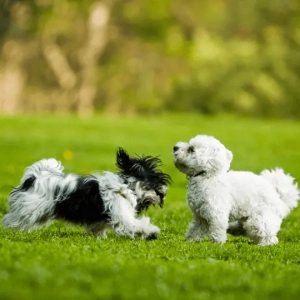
<point x="62" y="262"/>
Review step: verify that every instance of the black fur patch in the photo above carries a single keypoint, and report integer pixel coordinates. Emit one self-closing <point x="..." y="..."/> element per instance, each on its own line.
<point x="25" y="186"/>
<point x="84" y="205"/>
<point x="143" y="168"/>
<point x="161" y="196"/>
<point x="141" y="206"/>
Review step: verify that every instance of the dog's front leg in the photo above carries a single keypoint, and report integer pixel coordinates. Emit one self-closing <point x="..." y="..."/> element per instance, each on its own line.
<point x="217" y="229"/>
<point x="130" y="226"/>
<point x="124" y="222"/>
<point x="98" y="230"/>
<point x="197" y="230"/>
<point x="147" y="230"/>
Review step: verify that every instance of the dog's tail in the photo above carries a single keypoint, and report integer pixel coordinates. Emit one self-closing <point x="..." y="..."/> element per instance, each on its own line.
<point x="284" y="185"/>
<point x="43" y="167"/>
<point x="31" y="204"/>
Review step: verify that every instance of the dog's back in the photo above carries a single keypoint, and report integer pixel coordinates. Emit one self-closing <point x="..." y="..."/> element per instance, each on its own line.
<point x="253" y="193"/>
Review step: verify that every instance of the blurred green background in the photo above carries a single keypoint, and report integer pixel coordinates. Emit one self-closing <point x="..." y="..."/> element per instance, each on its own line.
<point x="155" y="72"/>
<point x="149" y="57"/>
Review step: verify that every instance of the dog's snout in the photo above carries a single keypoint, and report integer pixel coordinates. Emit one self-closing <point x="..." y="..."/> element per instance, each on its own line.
<point x="175" y="148"/>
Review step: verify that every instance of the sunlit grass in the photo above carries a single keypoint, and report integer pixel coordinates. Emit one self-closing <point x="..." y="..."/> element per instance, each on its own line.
<point x="61" y="261"/>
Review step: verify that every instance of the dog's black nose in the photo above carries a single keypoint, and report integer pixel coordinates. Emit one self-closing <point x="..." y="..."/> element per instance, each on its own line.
<point x="175" y="148"/>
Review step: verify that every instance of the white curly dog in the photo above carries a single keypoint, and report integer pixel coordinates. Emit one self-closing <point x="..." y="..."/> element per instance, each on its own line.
<point x="240" y="203"/>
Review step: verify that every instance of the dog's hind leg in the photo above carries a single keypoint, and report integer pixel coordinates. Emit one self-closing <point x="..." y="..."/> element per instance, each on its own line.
<point x="197" y="230"/>
<point x="263" y="228"/>
<point x="98" y="230"/>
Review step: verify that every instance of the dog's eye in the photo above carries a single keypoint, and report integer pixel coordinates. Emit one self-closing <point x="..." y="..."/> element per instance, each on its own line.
<point x="190" y="149"/>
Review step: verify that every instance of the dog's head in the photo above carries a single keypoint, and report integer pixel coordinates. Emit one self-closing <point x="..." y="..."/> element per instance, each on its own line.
<point x="201" y="155"/>
<point x="142" y="175"/>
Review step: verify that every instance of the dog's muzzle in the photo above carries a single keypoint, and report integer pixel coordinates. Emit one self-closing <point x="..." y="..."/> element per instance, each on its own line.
<point x="175" y="149"/>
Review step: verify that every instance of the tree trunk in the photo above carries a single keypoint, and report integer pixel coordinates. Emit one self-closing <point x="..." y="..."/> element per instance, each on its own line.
<point x="96" y="42"/>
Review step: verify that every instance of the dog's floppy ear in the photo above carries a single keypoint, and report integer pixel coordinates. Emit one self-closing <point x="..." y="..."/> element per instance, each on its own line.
<point x="229" y="155"/>
<point x="124" y="162"/>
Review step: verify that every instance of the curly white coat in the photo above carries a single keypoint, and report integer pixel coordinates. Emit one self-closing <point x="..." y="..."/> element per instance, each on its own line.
<point x="232" y="201"/>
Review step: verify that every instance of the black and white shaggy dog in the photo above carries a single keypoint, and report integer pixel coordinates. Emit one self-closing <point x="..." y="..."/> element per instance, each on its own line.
<point x="98" y="202"/>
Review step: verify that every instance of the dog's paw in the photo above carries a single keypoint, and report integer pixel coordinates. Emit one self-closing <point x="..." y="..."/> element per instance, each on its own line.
<point x="218" y="239"/>
<point x="267" y="241"/>
<point x="100" y="236"/>
<point x="193" y="238"/>
<point x="152" y="236"/>
<point x="153" y="233"/>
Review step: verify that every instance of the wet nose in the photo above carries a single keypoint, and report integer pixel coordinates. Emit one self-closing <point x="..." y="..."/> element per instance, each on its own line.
<point x="175" y="148"/>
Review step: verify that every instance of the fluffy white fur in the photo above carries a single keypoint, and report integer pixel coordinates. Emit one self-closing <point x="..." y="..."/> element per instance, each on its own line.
<point x="232" y="201"/>
<point x="35" y="206"/>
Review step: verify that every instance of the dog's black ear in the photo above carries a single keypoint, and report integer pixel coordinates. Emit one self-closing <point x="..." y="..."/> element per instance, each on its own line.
<point x="124" y="162"/>
<point x="143" y="168"/>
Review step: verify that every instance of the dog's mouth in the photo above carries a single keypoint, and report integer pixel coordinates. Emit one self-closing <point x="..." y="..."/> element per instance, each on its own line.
<point x="179" y="164"/>
<point x="144" y="203"/>
<point x="182" y="167"/>
<point x="191" y="172"/>
<point x="200" y="173"/>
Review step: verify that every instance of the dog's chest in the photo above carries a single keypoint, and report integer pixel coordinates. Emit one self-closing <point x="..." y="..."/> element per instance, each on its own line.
<point x="196" y="195"/>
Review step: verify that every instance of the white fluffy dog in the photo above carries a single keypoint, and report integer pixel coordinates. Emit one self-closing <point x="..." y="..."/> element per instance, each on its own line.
<point x="241" y="203"/>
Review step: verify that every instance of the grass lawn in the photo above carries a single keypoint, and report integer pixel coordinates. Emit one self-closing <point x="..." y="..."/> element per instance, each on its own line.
<point x="62" y="262"/>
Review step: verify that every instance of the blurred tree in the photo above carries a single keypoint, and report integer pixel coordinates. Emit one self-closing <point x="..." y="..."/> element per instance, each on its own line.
<point x="5" y="6"/>
<point x="149" y="56"/>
